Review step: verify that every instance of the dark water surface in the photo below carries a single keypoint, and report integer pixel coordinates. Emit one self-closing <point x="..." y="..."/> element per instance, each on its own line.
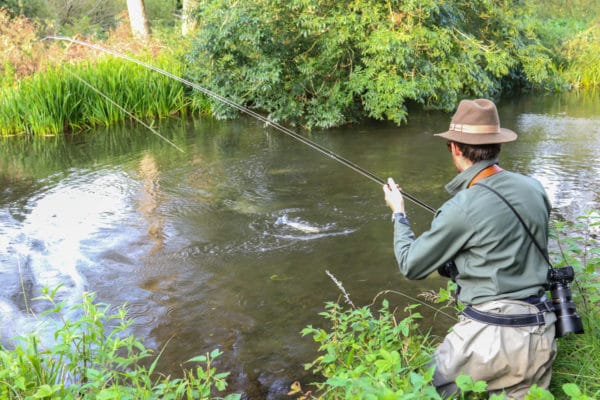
<point x="227" y="244"/>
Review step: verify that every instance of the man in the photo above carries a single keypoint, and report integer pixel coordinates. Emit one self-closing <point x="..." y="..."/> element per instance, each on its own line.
<point x="500" y="272"/>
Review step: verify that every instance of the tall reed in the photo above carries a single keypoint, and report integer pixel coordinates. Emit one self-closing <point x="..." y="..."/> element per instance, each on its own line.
<point x="583" y="55"/>
<point x="56" y="100"/>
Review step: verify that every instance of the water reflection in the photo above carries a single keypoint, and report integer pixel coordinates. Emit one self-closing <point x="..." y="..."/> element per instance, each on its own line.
<point x="150" y="201"/>
<point x="562" y="150"/>
<point x="46" y="243"/>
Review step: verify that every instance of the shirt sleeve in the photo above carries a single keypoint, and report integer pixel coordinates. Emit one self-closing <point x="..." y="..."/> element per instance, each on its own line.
<point x="419" y="257"/>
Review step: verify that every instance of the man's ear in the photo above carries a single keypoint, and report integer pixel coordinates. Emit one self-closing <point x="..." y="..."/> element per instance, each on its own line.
<point x="455" y="149"/>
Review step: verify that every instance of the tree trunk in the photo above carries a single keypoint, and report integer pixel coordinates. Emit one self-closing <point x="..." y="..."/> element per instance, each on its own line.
<point x="189" y="23"/>
<point x="140" y="26"/>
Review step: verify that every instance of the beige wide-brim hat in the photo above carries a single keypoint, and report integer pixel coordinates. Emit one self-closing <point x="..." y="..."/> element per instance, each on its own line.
<point x="477" y="122"/>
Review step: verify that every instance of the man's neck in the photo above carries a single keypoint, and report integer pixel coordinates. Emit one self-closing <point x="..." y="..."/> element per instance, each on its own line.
<point x="461" y="163"/>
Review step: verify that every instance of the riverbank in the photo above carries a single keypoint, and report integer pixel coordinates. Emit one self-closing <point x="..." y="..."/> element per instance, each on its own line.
<point x="42" y="88"/>
<point x="72" y="98"/>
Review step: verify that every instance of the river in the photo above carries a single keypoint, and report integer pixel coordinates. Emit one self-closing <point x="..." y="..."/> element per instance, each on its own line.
<point x="226" y="244"/>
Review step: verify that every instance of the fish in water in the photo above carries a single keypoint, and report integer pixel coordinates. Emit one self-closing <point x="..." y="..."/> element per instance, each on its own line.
<point x="301" y="226"/>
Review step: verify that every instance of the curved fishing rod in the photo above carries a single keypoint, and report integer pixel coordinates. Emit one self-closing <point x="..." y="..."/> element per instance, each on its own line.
<point x="254" y="114"/>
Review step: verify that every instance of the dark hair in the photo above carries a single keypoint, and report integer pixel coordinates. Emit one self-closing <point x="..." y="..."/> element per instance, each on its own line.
<point x="479" y="152"/>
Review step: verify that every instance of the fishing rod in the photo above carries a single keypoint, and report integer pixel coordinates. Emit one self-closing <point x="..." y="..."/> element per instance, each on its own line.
<point x="251" y="113"/>
<point x="114" y="103"/>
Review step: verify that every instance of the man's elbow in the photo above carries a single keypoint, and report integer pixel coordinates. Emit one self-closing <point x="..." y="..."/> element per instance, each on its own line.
<point x="412" y="273"/>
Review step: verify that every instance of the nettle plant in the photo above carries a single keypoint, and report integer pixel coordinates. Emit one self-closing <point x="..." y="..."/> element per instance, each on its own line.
<point x="93" y="355"/>
<point x="368" y="354"/>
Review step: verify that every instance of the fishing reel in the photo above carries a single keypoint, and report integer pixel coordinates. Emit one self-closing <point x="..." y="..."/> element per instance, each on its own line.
<point x="448" y="270"/>
<point x="559" y="283"/>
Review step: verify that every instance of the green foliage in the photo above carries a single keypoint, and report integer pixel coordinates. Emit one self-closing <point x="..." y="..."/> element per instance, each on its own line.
<point x="466" y="384"/>
<point x="163" y="13"/>
<point x="371" y="355"/>
<point x="572" y="30"/>
<point x="582" y="10"/>
<point x="326" y="63"/>
<point x="578" y="246"/>
<point x="67" y="17"/>
<point x="90" y="17"/>
<point x="582" y="54"/>
<point x="575" y="393"/>
<point x="577" y="361"/>
<point x="30" y="8"/>
<point x="50" y="102"/>
<point x="94" y="357"/>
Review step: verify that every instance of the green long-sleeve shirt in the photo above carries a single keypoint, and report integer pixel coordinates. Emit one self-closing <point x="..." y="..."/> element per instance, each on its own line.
<point x="494" y="255"/>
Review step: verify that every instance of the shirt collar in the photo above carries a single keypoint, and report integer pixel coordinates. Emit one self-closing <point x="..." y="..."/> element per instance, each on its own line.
<point x="461" y="181"/>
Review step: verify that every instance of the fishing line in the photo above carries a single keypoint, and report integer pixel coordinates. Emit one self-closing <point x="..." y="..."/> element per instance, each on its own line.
<point x="123" y="109"/>
<point x="254" y="114"/>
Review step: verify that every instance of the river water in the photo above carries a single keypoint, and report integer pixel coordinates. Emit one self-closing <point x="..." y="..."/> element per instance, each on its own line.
<point x="227" y="244"/>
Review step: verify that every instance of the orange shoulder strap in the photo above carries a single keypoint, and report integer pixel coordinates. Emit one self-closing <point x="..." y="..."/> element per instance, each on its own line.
<point x="484" y="173"/>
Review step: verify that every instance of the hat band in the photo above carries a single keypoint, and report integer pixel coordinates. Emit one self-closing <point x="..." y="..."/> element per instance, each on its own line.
<point x="465" y="128"/>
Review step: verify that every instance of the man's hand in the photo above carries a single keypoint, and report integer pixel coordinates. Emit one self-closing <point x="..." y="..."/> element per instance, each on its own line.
<point x="393" y="197"/>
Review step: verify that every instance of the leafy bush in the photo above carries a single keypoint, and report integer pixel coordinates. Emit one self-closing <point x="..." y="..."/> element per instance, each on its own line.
<point x="571" y="29"/>
<point x="326" y="63"/>
<point x="94" y="357"/>
<point x="582" y="54"/>
<point x="368" y="355"/>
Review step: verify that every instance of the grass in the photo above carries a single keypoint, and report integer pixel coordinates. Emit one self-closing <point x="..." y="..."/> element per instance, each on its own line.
<point x="583" y="55"/>
<point x="56" y="100"/>
<point x="578" y="359"/>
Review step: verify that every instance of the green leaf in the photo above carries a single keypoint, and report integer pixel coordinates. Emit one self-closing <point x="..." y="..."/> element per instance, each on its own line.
<point x="199" y="359"/>
<point x="43" y="391"/>
<point x="572" y="390"/>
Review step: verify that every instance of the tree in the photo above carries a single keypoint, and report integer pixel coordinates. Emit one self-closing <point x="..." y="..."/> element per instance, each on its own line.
<point x="326" y="63"/>
<point x="140" y="26"/>
<point x="189" y="22"/>
<point x="69" y="17"/>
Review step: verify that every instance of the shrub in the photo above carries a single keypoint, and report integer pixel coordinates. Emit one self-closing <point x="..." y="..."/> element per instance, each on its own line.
<point x="94" y="357"/>
<point x="371" y="355"/>
<point x="324" y="63"/>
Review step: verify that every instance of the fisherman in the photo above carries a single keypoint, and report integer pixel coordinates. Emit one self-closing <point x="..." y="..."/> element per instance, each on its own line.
<point x="478" y="241"/>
